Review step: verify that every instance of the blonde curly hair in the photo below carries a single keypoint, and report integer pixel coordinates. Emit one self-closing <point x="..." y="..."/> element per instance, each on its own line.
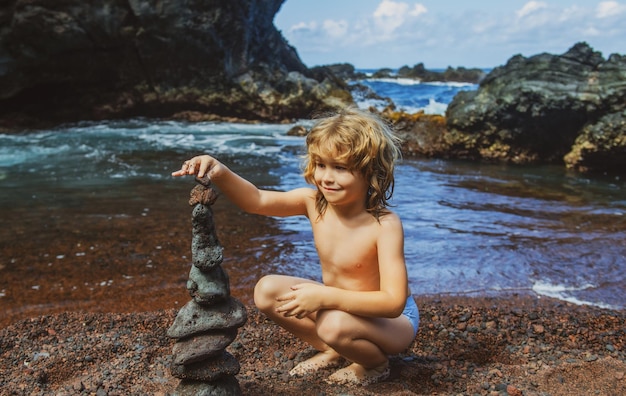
<point x="366" y="143"/>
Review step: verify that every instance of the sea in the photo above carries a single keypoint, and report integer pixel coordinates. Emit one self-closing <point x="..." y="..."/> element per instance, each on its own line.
<point x="471" y="229"/>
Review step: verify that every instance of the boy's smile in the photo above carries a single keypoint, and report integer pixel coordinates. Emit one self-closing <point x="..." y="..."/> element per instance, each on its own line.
<point x="339" y="184"/>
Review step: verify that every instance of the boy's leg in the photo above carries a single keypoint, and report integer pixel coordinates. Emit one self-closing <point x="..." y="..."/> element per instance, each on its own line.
<point x="265" y="292"/>
<point x="365" y="341"/>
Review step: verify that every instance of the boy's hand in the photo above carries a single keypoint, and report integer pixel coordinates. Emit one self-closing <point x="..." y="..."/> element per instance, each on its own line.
<point x="302" y="300"/>
<point x="197" y="166"/>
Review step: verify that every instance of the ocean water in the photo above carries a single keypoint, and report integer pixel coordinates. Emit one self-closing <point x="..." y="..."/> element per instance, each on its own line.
<point x="412" y="96"/>
<point x="470" y="228"/>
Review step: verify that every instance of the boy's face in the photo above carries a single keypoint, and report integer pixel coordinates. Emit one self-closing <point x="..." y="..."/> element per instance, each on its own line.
<point x="339" y="184"/>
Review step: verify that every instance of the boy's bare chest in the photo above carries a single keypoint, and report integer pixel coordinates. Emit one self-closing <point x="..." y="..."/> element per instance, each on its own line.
<point x="345" y="248"/>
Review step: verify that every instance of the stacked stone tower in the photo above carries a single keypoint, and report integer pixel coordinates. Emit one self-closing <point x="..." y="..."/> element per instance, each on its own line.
<point x="208" y="323"/>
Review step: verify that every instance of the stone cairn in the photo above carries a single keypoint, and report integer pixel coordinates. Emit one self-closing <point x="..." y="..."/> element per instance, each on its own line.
<point x="207" y="324"/>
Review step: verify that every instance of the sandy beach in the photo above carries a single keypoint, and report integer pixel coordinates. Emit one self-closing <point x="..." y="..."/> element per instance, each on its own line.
<point x="477" y="346"/>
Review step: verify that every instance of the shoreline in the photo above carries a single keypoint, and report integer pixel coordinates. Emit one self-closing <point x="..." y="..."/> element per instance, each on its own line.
<point x="518" y="345"/>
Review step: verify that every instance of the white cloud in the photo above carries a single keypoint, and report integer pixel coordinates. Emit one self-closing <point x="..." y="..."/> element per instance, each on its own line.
<point x="303" y="27"/>
<point x="591" y="32"/>
<point x="390" y="9"/>
<point x="335" y="29"/>
<point x="608" y="9"/>
<point x="530" y="7"/>
<point x="391" y="15"/>
<point x="573" y="12"/>
<point x="418" y="10"/>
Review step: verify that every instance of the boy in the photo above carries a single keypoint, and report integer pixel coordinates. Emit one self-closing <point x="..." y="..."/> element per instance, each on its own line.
<point x="363" y="311"/>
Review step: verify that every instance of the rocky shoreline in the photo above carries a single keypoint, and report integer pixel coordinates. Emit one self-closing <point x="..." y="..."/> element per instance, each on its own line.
<point x="510" y="345"/>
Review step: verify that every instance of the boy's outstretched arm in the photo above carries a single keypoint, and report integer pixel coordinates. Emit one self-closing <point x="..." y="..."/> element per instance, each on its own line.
<point x="243" y="193"/>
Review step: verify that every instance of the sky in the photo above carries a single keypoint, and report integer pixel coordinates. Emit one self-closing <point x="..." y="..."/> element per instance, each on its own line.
<point x="441" y="33"/>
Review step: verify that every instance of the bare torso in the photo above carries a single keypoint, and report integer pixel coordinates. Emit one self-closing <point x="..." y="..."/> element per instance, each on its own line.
<point x="348" y="251"/>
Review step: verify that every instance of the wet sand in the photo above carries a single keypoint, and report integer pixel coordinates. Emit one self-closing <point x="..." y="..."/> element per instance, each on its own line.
<point x="116" y="255"/>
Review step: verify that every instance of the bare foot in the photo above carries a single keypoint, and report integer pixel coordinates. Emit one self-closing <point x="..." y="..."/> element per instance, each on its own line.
<point x="359" y="375"/>
<point x="317" y="362"/>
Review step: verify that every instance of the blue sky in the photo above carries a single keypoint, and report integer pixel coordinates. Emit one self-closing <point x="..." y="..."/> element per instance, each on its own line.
<point x="441" y="33"/>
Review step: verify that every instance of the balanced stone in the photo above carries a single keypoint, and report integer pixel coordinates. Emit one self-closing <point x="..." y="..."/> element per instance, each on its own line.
<point x="223" y="386"/>
<point x="194" y="318"/>
<point x="201" y="346"/>
<point x="202" y="193"/>
<point x="208" y="287"/>
<point x="207" y="370"/>
<point x="205" y="248"/>
<point x="207" y="324"/>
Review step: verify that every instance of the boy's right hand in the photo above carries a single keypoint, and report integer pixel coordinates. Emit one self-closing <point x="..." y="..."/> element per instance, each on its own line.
<point x="199" y="166"/>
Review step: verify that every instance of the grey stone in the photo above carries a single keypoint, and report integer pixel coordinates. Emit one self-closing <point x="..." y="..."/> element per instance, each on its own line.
<point x="205" y="247"/>
<point x="209" y="287"/>
<point x="209" y="369"/>
<point x="201" y="346"/>
<point x="194" y="318"/>
<point x="223" y="386"/>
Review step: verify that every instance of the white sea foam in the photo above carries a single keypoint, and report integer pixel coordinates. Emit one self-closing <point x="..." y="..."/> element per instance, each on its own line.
<point x="256" y="139"/>
<point x="19" y="149"/>
<point x="367" y="103"/>
<point x="435" y="107"/>
<point x="564" y="293"/>
<point x="450" y="84"/>
<point x="399" y="81"/>
<point x="416" y="81"/>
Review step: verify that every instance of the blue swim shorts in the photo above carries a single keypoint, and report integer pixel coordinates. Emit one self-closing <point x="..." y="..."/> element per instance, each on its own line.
<point x="412" y="313"/>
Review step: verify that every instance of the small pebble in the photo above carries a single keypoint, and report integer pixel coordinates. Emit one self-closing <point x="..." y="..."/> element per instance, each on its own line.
<point x="538" y="329"/>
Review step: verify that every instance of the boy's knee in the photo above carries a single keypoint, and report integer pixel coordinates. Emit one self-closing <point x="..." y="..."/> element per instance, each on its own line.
<point x="264" y="293"/>
<point x="331" y="327"/>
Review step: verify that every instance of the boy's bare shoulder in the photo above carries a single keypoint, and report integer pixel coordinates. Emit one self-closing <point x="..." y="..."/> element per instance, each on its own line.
<point x="389" y="219"/>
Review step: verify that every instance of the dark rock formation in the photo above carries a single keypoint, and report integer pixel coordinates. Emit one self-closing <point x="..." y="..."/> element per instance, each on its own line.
<point x="459" y="74"/>
<point x="601" y="146"/>
<point x="73" y="59"/>
<point x="344" y="71"/>
<point x="546" y="108"/>
<point x="208" y="323"/>
<point x="347" y="72"/>
<point x="385" y="72"/>
<point x="421" y="134"/>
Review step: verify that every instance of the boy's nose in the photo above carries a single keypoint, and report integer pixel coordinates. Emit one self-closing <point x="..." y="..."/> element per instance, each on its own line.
<point x="328" y="176"/>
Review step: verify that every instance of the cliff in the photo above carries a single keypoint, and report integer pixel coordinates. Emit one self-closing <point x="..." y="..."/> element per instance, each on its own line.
<point x="67" y="60"/>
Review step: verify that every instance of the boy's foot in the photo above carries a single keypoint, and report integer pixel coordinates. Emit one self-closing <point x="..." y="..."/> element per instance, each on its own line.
<point x="358" y="375"/>
<point x="319" y="361"/>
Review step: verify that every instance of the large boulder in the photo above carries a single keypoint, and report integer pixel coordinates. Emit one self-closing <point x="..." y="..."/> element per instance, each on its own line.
<point x="73" y="59"/>
<point x="546" y="108"/>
